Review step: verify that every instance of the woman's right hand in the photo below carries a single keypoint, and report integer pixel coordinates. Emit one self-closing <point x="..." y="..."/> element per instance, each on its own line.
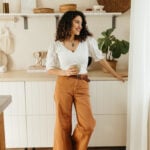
<point x="72" y="70"/>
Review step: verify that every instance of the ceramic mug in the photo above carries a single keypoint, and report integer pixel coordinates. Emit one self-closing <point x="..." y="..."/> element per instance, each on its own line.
<point x="75" y="66"/>
<point x="98" y="8"/>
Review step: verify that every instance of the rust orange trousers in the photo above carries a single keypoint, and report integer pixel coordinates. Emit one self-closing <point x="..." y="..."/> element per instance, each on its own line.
<point x="69" y="91"/>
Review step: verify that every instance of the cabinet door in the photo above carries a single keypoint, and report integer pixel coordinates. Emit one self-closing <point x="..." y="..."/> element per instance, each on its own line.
<point x="16" y="90"/>
<point x="108" y="97"/>
<point x="39" y="98"/>
<point x="40" y="130"/>
<point x="15" y="131"/>
<point x="109" y="104"/>
<point x="14" y="116"/>
<point x="110" y="131"/>
<point x="40" y="113"/>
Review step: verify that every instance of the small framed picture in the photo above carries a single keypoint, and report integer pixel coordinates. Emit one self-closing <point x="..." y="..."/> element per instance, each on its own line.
<point x="27" y="6"/>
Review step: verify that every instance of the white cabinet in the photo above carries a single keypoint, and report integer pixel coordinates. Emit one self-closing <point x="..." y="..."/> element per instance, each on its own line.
<point x="40" y="113"/>
<point x="30" y="119"/>
<point x="40" y="97"/>
<point x="108" y="97"/>
<point x="109" y="104"/>
<point x="16" y="89"/>
<point x="15" y="114"/>
<point x="15" y="131"/>
<point x="40" y="129"/>
<point x="110" y="131"/>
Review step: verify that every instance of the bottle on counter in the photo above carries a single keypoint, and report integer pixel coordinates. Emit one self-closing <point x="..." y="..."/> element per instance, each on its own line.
<point x="5" y="6"/>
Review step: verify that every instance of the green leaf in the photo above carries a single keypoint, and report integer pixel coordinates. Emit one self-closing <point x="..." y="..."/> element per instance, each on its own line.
<point x="125" y="47"/>
<point x="109" y="31"/>
<point x="104" y="48"/>
<point x="104" y="34"/>
<point x="116" y="53"/>
<point x="115" y="49"/>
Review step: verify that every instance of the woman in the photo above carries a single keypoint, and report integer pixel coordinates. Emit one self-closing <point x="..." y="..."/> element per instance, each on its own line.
<point x="68" y="58"/>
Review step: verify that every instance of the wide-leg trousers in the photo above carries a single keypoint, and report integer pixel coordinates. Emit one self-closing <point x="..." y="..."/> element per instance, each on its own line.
<point x="69" y="91"/>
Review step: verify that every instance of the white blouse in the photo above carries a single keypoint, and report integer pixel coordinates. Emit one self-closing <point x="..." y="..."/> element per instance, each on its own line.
<point x="59" y="56"/>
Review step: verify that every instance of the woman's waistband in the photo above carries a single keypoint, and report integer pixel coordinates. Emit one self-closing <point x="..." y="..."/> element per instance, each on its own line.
<point x="80" y="77"/>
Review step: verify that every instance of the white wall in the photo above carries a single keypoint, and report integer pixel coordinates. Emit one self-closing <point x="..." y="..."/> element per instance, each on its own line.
<point x="42" y="29"/>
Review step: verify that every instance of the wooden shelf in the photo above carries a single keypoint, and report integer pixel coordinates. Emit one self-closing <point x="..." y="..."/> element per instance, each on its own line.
<point x="87" y="13"/>
<point x="14" y="16"/>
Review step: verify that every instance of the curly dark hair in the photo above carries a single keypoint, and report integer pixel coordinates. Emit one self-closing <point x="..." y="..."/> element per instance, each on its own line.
<point x="65" y="25"/>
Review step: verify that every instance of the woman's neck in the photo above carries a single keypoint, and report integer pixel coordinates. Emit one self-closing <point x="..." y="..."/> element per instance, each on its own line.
<point x="71" y="39"/>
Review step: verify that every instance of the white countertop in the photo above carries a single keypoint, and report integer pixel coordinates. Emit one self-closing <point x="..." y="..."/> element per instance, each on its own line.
<point x="5" y="100"/>
<point x="23" y="75"/>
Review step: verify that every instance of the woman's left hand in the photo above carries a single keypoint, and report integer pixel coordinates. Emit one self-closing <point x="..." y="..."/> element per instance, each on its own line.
<point x="105" y="64"/>
<point x="123" y="74"/>
<point x="120" y="77"/>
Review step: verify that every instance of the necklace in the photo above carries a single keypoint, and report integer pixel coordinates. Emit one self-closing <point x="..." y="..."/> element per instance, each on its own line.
<point x="72" y="44"/>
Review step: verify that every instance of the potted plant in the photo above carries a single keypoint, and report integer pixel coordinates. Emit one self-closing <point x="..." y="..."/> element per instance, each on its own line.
<point x="112" y="47"/>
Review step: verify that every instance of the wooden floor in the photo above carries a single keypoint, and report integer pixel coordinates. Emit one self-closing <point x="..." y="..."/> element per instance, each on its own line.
<point x="91" y="148"/>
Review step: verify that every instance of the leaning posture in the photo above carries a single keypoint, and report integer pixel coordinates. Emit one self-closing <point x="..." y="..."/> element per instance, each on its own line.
<point x="68" y="58"/>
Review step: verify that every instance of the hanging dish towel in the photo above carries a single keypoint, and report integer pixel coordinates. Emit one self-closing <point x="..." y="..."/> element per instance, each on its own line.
<point x="6" y="40"/>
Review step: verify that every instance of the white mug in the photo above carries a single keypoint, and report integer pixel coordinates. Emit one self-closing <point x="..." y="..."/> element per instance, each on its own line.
<point x="98" y="7"/>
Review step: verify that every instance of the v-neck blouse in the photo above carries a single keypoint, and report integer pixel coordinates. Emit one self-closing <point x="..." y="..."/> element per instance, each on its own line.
<point x="59" y="56"/>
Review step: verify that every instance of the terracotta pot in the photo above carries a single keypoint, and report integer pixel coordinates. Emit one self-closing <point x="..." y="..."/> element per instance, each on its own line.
<point x="112" y="63"/>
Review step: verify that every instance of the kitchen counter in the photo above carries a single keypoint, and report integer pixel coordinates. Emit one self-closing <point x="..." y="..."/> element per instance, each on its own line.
<point x="4" y="102"/>
<point x="23" y="75"/>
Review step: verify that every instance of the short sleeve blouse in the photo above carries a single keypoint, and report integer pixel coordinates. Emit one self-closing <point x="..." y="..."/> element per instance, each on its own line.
<point x="59" y="56"/>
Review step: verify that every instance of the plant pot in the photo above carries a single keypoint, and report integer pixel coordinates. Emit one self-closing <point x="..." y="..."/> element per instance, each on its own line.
<point x="112" y="63"/>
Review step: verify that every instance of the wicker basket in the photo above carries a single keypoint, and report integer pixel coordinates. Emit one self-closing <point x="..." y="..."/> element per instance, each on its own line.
<point x="67" y="7"/>
<point x="115" y="5"/>
<point x="43" y="10"/>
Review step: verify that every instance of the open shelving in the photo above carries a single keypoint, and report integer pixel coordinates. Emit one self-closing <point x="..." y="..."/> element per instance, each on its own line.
<point x="15" y="16"/>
